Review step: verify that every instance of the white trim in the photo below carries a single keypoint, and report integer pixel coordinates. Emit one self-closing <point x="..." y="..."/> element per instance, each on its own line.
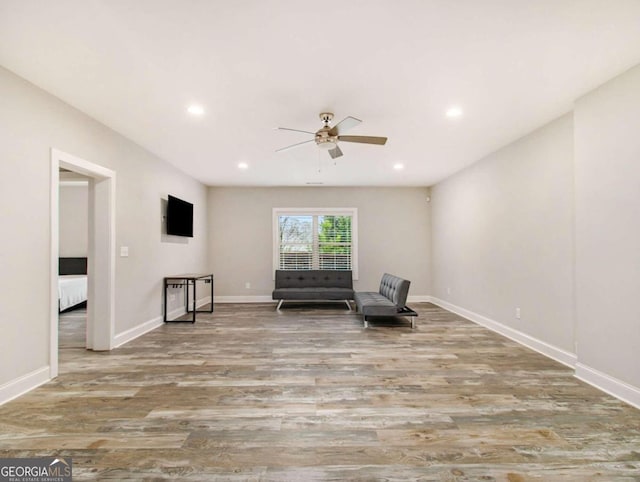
<point x="102" y="189"/>
<point x="20" y="386"/>
<point x="176" y="313"/>
<point x="419" y="299"/>
<point x="608" y="384"/>
<point x="551" y="351"/>
<point x="54" y="236"/>
<point x="353" y="212"/>
<point x="133" y="333"/>
<point x="102" y="262"/>
<point x="78" y="183"/>
<point x="244" y="299"/>
<point x="76" y="164"/>
<point x="181" y="310"/>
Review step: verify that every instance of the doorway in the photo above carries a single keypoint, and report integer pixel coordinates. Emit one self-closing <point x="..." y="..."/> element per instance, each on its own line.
<point x="73" y="230"/>
<point x="101" y="253"/>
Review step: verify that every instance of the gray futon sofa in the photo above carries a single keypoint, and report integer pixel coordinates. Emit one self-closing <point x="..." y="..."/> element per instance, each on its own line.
<point x="388" y="301"/>
<point x="313" y="285"/>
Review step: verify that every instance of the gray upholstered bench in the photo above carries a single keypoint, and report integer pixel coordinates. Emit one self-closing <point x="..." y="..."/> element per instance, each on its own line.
<point x="389" y="301"/>
<point x="313" y="285"/>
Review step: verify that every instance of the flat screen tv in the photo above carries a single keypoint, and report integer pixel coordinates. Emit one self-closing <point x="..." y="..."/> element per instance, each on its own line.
<point x="179" y="217"/>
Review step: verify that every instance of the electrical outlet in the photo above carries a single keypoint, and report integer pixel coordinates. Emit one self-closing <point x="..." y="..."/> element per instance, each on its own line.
<point x="518" y="313"/>
<point x="172" y="297"/>
<point x="247" y="285"/>
<point x="448" y="290"/>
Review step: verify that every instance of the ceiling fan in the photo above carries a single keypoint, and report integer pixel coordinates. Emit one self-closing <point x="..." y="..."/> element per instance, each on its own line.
<point x="327" y="137"/>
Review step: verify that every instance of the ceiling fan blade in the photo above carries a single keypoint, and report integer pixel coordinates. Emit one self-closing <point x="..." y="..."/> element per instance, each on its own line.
<point x="293" y="145"/>
<point x="364" y="139"/>
<point x="335" y="152"/>
<point x="344" y="125"/>
<point x="294" y="130"/>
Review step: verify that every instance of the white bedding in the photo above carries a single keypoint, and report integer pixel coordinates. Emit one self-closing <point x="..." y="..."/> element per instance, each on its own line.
<point x="72" y="290"/>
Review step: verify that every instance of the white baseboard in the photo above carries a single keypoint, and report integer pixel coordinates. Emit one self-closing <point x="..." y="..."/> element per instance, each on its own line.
<point x="244" y="299"/>
<point x="133" y="333"/>
<point x="419" y="299"/>
<point x="23" y="384"/>
<point x="566" y="358"/>
<point x="203" y="301"/>
<point x="178" y="312"/>
<point x="608" y="384"/>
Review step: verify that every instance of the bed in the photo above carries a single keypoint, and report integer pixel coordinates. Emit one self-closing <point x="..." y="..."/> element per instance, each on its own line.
<point x="72" y="282"/>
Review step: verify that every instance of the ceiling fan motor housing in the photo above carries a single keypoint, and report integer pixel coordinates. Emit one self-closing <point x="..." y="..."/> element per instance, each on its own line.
<point x="324" y="139"/>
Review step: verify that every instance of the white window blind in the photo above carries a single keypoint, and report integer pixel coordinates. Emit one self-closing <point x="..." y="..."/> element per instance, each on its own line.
<point x="315" y="239"/>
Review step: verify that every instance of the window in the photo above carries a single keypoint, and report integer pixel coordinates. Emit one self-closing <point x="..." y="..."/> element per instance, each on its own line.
<point x="315" y="239"/>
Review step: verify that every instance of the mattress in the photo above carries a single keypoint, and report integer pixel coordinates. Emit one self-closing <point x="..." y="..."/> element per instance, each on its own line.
<point x="72" y="290"/>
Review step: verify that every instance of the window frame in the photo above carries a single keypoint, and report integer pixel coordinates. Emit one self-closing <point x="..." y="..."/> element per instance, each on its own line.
<point x="352" y="212"/>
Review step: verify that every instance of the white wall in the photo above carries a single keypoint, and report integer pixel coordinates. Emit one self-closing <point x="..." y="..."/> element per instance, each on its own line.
<point x="551" y="224"/>
<point x="32" y="123"/>
<point x="393" y="233"/>
<point x="73" y="225"/>
<point x="607" y="170"/>
<point x="503" y="236"/>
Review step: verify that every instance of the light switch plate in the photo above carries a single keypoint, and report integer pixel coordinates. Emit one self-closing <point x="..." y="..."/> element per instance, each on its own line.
<point x="124" y="251"/>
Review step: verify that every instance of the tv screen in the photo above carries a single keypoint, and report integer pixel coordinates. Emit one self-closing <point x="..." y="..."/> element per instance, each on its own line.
<point x="179" y="217"/>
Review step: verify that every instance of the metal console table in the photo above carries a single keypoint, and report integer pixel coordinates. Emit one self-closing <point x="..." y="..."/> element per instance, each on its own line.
<point x="187" y="280"/>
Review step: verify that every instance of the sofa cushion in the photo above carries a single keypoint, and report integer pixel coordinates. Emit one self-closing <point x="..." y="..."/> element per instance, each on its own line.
<point x="318" y="278"/>
<point x="321" y="284"/>
<point x="370" y="303"/>
<point x="394" y="288"/>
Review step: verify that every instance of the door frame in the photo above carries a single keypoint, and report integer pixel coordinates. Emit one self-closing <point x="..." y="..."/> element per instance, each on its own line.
<point x="101" y="253"/>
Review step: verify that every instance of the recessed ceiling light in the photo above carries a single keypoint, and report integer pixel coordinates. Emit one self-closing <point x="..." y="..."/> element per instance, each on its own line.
<point x="398" y="166"/>
<point x="195" y="109"/>
<point x="243" y="165"/>
<point x="453" y="112"/>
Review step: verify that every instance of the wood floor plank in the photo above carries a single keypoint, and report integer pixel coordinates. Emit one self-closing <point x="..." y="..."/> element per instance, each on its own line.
<point x="248" y="393"/>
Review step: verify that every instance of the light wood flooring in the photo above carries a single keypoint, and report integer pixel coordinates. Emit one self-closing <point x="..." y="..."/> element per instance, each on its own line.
<point x="307" y="394"/>
<point x="72" y="328"/>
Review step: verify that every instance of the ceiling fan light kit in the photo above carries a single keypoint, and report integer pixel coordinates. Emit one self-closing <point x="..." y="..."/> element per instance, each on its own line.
<point x="327" y="137"/>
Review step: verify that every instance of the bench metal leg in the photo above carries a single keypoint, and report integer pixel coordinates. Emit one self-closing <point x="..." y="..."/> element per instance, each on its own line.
<point x="279" y="305"/>
<point x="413" y="322"/>
<point x="348" y="304"/>
<point x="366" y="323"/>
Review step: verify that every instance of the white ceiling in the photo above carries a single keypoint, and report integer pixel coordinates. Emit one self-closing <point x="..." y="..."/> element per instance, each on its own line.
<point x="135" y="65"/>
